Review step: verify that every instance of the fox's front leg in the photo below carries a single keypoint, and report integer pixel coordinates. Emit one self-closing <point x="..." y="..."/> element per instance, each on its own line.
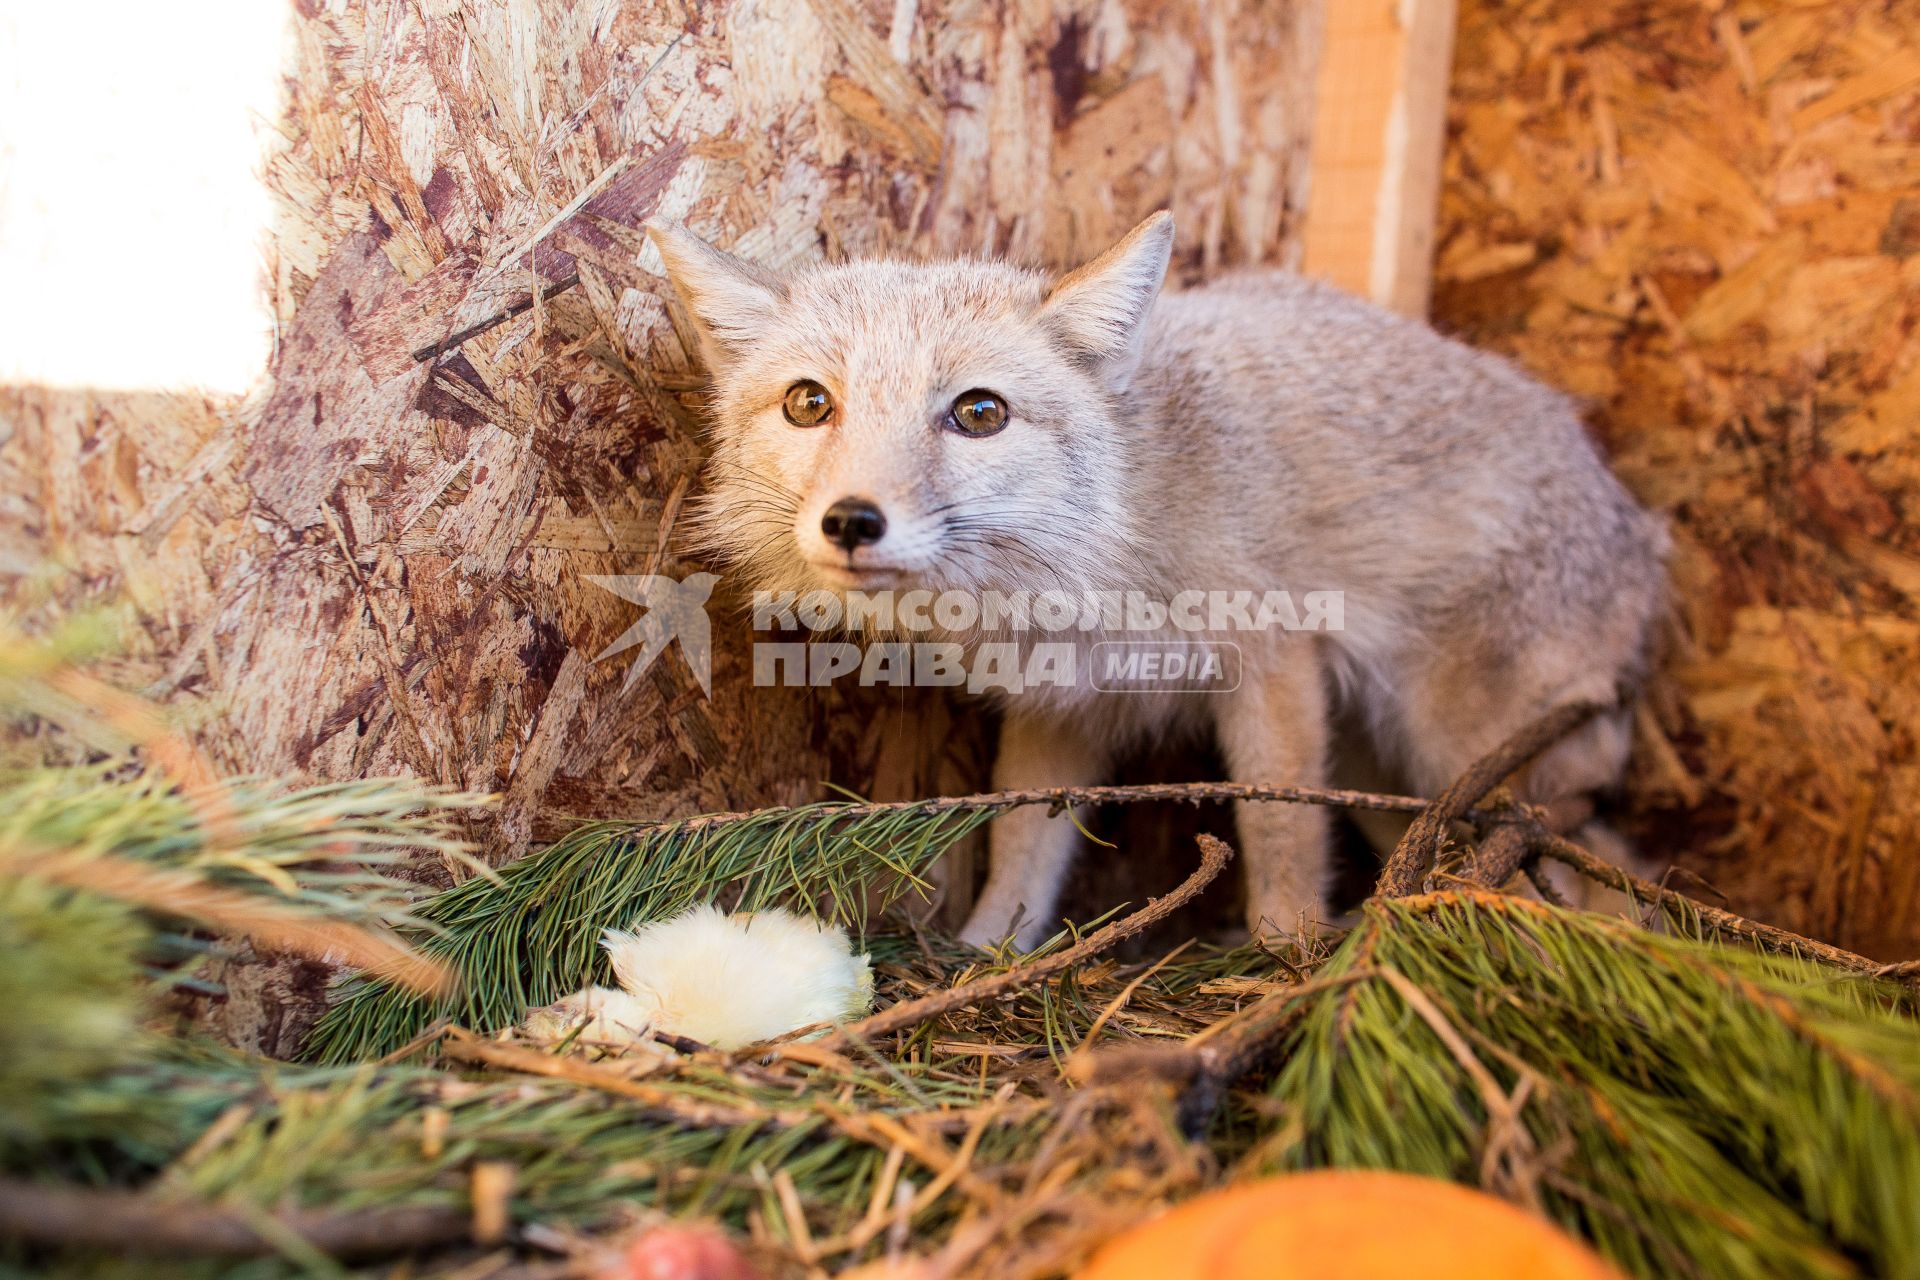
<point x="1273" y="729"/>
<point x="1030" y="851"/>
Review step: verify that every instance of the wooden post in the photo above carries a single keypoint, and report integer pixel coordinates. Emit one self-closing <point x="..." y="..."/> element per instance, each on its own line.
<point x="1379" y="124"/>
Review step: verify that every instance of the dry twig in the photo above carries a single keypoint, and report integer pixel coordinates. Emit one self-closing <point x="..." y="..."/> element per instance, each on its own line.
<point x="1206" y="1066"/>
<point x="1416" y="851"/>
<point x="1214" y="855"/>
<point x="669" y="1104"/>
<point x="552" y="824"/>
<point x="1769" y="937"/>
<point x="133" y="1222"/>
<point x="1500" y="855"/>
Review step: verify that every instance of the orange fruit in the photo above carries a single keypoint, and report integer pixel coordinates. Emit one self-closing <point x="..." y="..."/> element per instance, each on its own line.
<point x="1339" y="1224"/>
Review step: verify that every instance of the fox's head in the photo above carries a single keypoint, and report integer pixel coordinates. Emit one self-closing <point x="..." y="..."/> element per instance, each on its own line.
<point x="951" y="425"/>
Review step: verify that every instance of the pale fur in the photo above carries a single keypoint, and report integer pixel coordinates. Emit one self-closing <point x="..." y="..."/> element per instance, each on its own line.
<point x="596" y="1016"/>
<point x="1259" y="432"/>
<point x="724" y="980"/>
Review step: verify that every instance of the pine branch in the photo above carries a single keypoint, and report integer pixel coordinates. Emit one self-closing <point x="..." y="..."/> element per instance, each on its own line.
<point x="532" y="934"/>
<point x="267" y="922"/>
<point x="325" y="851"/>
<point x="95" y="866"/>
<point x="1694" y="1109"/>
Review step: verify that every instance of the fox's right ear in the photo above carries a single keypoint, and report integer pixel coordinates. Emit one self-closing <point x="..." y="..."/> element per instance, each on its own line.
<point x="732" y="301"/>
<point x="1099" y="312"/>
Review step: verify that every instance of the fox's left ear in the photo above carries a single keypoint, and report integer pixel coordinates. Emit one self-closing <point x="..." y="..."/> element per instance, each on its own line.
<point x="1099" y="311"/>
<point x="732" y="301"/>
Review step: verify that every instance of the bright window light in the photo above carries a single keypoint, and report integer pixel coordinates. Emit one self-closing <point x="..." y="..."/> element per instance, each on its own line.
<point x="132" y="215"/>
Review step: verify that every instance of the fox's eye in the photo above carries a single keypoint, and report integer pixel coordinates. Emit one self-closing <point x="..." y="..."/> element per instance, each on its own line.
<point x="978" y="413"/>
<point x="807" y="404"/>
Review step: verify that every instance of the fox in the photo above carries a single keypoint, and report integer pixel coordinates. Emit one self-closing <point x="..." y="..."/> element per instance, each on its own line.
<point x="980" y="426"/>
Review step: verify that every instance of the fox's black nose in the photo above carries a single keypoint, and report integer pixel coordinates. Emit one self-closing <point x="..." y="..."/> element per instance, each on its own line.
<point x="853" y="522"/>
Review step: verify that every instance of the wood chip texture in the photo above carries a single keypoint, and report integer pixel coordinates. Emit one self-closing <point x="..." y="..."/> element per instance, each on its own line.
<point x="375" y="564"/>
<point x="1704" y="219"/>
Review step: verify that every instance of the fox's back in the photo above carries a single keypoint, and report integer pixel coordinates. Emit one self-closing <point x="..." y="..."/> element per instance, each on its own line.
<point x="1337" y="444"/>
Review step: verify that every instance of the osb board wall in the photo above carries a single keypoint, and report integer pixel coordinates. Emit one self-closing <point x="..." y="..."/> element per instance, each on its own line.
<point x="1705" y="219"/>
<point x="379" y="565"/>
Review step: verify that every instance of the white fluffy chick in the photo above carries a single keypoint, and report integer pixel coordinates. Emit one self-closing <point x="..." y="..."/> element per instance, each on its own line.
<point x="725" y="981"/>
<point x="603" y="1015"/>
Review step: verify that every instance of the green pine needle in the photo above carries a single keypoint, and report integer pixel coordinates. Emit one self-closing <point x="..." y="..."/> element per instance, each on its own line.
<point x="69" y="1003"/>
<point x="531" y="934"/>
<point x="1690" y="1107"/>
<point x="82" y="968"/>
<point x="1694" y="1109"/>
<point x="326" y="849"/>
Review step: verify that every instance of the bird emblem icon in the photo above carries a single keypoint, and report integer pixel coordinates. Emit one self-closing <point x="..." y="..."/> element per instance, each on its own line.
<point x="676" y="609"/>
